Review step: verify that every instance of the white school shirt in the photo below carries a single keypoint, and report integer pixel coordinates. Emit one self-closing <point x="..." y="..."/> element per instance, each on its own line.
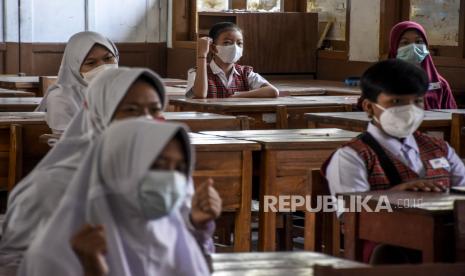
<point x="347" y="173"/>
<point x="254" y="79"/>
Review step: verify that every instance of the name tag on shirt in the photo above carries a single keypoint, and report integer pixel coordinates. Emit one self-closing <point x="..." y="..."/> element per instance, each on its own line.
<point x="434" y="86"/>
<point x="439" y="163"/>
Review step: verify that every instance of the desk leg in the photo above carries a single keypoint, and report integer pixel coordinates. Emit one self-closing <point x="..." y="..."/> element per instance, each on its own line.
<point x="243" y="219"/>
<point x="352" y="244"/>
<point x="267" y="220"/>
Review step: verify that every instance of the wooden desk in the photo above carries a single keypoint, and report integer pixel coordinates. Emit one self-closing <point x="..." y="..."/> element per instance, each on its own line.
<point x="20" y="149"/>
<point x="175" y="92"/>
<point x="229" y="162"/>
<point x="198" y="121"/>
<point x="173" y="82"/>
<point x="422" y="221"/>
<point x="30" y="83"/>
<point x="283" y="112"/>
<point x="358" y="121"/>
<point x="19" y="104"/>
<point x="276" y="263"/>
<point x="331" y="88"/>
<point x="7" y="93"/>
<point x="284" y="164"/>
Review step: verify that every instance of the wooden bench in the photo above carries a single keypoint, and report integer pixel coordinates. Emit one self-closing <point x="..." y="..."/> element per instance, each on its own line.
<point x="19" y="104"/>
<point x="229" y="163"/>
<point x="420" y="220"/>
<point x="283" y="112"/>
<point x="283" y="165"/>
<point x="358" y="121"/>
<point x="274" y="263"/>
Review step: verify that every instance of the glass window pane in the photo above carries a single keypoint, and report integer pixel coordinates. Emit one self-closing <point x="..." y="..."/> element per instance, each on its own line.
<point x="334" y="11"/>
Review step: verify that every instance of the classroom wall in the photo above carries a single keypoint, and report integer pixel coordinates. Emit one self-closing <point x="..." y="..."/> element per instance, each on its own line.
<point x="34" y="36"/>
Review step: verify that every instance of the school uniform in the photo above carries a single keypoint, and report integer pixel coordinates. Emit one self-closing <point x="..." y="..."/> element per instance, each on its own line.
<point x="357" y="168"/>
<point x="242" y="78"/>
<point x="377" y="161"/>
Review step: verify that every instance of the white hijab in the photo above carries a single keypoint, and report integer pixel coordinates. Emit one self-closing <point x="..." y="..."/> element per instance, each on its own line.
<point x="33" y="200"/>
<point x="64" y="99"/>
<point x="105" y="191"/>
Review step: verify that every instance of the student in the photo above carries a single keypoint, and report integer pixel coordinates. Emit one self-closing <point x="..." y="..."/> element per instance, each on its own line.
<point x="222" y="77"/>
<point x="123" y="212"/>
<point x="86" y="55"/>
<point x="408" y="42"/>
<point x="116" y="94"/>
<point x="391" y="154"/>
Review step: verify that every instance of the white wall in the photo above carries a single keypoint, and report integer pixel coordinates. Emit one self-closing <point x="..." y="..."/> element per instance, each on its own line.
<point x="364" y="30"/>
<point x="56" y="20"/>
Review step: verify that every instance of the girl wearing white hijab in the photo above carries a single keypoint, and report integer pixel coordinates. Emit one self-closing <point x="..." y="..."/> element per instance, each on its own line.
<point x="33" y="200"/>
<point x="132" y="183"/>
<point x="86" y="55"/>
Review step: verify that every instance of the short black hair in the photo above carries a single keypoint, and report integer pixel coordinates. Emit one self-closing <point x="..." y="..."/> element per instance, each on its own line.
<point x="222" y="27"/>
<point x="395" y="77"/>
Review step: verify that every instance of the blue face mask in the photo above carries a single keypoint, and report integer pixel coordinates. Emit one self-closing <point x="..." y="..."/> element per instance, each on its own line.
<point x="160" y="192"/>
<point x="413" y="53"/>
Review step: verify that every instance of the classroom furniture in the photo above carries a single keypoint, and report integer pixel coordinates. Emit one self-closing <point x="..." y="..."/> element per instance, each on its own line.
<point x="274" y="263"/>
<point x="44" y="83"/>
<point x="283" y="112"/>
<point x="283" y="165"/>
<point x="457" y="129"/>
<point x="419" y="220"/>
<point x="267" y="46"/>
<point x="228" y="162"/>
<point x="459" y="218"/>
<point x="440" y="269"/>
<point x="198" y="121"/>
<point x="23" y="83"/>
<point x="174" y="82"/>
<point x="25" y="104"/>
<point x="19" y="147"/>
<point x="8" y="93"/>
<point x="358" y="121"/>
<point x="306" y="86"/>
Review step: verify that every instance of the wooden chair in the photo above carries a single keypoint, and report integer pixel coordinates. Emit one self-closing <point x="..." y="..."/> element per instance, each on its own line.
<point x="457" y="133"/>
<point x="44" y="83"/>
<point x="459" y="215"/>
<point x="437" y="269"/>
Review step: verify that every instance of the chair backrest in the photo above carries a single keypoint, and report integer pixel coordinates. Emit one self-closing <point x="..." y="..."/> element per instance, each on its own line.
<point x="44" y="83"/>
<point x="457" y="133"/>
<point x="459" y="215"/>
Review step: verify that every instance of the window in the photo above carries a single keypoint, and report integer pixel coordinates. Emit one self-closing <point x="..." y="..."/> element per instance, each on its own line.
<point x="212" y="5"/>
<point x="334" y="11"/>
<point x="264" y="5"/>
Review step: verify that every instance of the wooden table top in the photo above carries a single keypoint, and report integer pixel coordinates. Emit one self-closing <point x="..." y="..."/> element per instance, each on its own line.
<point x="275" y="263"/>
<point x="205" y="142"/>
<point x="21" y="117"/>
<point x="329" y="87"/>
<point x="19" y="79"/>
<point x="175" y="92"/>
<point x="14" y="93"/>
<point x="174" y="82"/>
<point x="192" y="115"/>
<point x="19" y="104"/>
<point x="459" y="111"/>
<point x="361" y="119"/>
<point x="291" y="138"/>
<point x="418" y="202"/>
<point x="240" y="104"/>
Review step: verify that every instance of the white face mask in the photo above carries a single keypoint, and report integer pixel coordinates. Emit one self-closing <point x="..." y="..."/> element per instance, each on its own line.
<point x="413" y="53"/>
<point x="160" y="192"/>
<point x="92" y="74"/>
<point x="400" y="121"/>
<point x="230" y="53"/>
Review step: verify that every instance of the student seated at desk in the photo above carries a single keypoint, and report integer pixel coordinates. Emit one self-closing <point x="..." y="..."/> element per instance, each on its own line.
<point x="125" y="210"/>
<point x="217" y="74"/>
<point x="391" y="154"/>
<point x="114" y="95"/>
<point x="87" y="54"/>
<point x="408" y="42"/>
